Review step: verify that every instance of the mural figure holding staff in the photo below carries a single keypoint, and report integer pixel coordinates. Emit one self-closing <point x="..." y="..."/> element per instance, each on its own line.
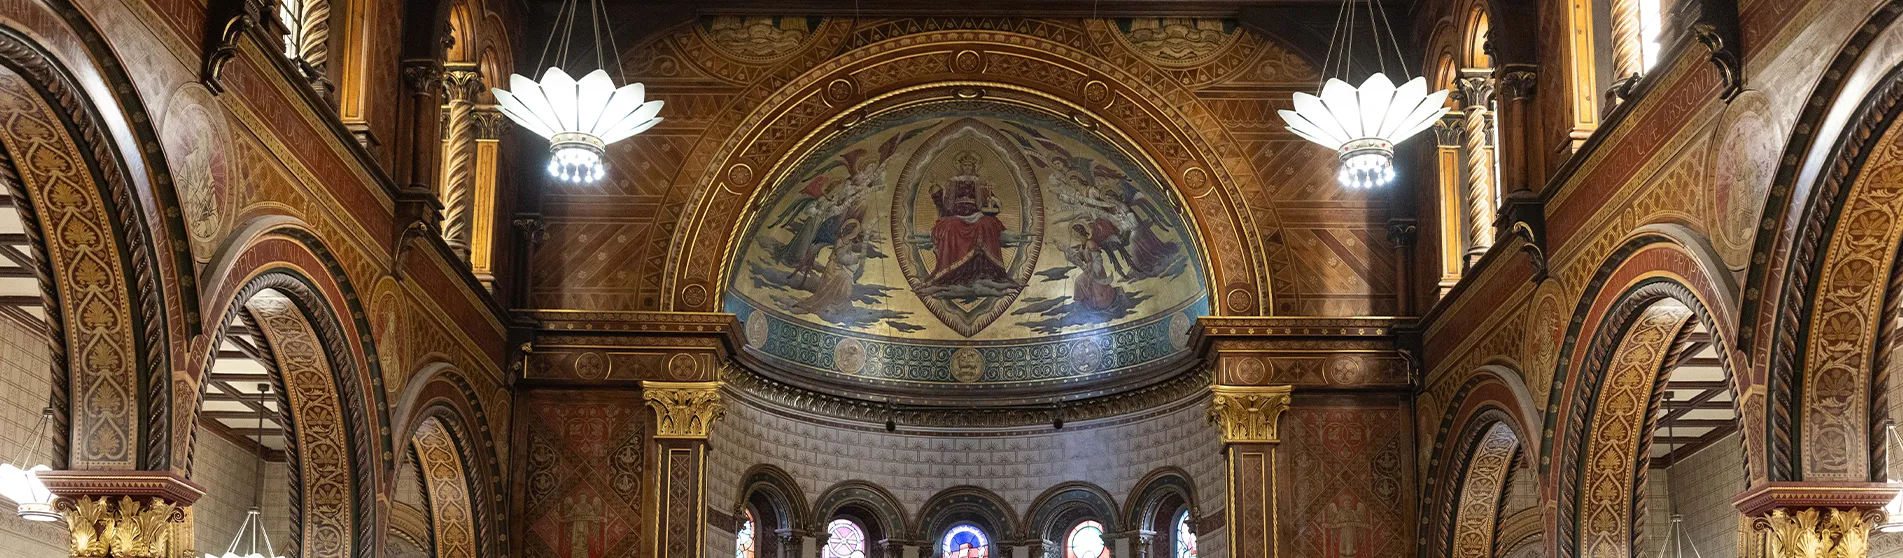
<point x="968" y="237"/>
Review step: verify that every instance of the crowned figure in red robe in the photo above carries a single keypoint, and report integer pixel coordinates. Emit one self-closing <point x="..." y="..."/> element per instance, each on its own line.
<point x="967" y="239"/>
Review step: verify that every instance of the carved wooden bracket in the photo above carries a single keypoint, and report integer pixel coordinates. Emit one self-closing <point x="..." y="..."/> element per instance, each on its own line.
<point x="1714" y="24"/>
<point x="418" y="216"/>
<point x="1523" y="216"/>
<point x="226" y="23"/>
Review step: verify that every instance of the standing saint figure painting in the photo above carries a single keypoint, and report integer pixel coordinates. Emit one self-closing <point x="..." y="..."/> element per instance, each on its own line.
<point x="966" y="224"/>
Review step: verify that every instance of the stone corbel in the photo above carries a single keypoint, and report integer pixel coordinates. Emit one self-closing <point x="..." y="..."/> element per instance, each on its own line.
<point x="226" y="23"/>
<point x="418" y="214"/>
<point x="1523" y="216"/>
<point x="1714" y="24"/>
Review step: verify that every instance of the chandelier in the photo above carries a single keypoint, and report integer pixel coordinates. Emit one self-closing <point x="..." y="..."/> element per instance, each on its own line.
<point x="579" y="117"/>
<point x="1362" y="124"/>
<point x="253" y="524"/>
<point x="21" y="483"/>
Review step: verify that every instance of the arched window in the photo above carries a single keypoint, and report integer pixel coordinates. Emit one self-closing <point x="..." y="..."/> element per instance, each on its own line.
<point x="965" y="541"/>
<point x="1185" y="537"/>
<point x="1085" y="541"/>
<point x="743" y="537"/>
<point x="1651" y="20"/>
<point x="291" y="13"/>
<point x="844" y="539"/>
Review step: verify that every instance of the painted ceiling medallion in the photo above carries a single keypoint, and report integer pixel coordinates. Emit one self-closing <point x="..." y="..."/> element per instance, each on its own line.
<point x="966" y="243"/>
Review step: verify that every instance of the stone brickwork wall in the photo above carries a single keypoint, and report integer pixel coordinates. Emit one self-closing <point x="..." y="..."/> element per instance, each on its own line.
<point x="25" y="380"/>
<point x="1018" y="467"/>
<point x="1702" y="485"/>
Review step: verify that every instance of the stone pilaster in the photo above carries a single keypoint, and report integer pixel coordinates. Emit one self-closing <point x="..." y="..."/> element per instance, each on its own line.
<point x="1247" y="417"/>
<point x="684" y="412"/>
<point x="126" y="514"/>
<point x="489" y="124"/>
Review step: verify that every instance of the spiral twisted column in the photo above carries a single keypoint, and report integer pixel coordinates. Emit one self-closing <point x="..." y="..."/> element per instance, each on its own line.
<point x="459" y="154"/>
<point x="313" y="34"/>
<point x="1628" y="54"/>
<point x="1476" y="95"/>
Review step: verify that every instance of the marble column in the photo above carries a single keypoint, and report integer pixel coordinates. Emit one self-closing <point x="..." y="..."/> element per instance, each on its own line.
<point x="684" y="412"/>
<point x="1248" y="417"/>
<point x="126" y="514"/>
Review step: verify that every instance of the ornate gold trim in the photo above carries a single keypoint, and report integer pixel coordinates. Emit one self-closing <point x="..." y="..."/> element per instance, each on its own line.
<point x="683" y="409"/>
<point x="1248" y="414"/>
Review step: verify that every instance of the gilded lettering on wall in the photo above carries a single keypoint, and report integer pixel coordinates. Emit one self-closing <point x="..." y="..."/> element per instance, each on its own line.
<point x="683" y="409"/>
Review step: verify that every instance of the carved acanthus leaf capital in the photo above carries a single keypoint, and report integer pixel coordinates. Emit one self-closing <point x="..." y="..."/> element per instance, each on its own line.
<point x="462" y="84"/>
<point x="1474" y="88"/>
<point x="124" y="528"/>
<point x="683" y="409"/>
<point x="1516" y="81"/>
<point x="1817" y="532"/>
<point x="1248" y="414"/>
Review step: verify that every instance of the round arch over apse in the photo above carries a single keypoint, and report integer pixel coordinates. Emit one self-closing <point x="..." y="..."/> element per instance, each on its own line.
<point x="840" y="92"/>
<point x="98" y="245"/>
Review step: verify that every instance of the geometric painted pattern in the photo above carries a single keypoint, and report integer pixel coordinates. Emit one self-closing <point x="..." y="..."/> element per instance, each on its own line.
<point x="442" y="468"/>
<point x="1613" y="459"/>
<point x="1480" y="494"/>
<point x="316" y="419"/>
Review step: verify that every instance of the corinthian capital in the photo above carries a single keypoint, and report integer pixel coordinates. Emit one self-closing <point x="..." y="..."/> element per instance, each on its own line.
<point x="1248" y="414"/>
<point x="1817" y="532"/>
<point x="461" y="84"/>
<point x="683" y="409"/>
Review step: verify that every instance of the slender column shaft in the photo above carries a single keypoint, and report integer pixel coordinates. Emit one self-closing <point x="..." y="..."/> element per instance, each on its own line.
<point x="459" y="158"/>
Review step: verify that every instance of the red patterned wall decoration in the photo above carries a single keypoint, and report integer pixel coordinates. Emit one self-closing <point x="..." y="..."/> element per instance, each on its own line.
<point x="1349" y="481"/>
<point x="581" y="463"/>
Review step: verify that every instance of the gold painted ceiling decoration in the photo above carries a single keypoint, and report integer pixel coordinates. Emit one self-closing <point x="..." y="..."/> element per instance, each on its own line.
<point x="967" y="243"/>
<point x="1177" y="41"/>
<point x="758" y="39"/>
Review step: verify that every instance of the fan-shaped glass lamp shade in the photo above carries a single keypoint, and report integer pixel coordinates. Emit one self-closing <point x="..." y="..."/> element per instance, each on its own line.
<point x="24" y="488"/>
<point x="1362" y="124"/>
<point x="579" y="117"/>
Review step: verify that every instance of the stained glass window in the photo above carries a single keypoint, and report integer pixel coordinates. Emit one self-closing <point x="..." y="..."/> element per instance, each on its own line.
<point x="1085" y="541"/>
<point x="743" y="539"/>
<point x="845" y="540"/>
<point x="965" y="541"/>
<point x="1185" y="536"/>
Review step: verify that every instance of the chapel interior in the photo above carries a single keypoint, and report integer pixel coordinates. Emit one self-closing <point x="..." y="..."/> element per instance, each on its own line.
<point x="972" y="279"/>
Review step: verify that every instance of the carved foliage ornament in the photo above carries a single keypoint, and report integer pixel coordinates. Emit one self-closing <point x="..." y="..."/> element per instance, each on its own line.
<point x="683" y="409"/>
<point x="130" y="529"/>
<point x="1248" y="414"/>
<point x="1817" y="532"/>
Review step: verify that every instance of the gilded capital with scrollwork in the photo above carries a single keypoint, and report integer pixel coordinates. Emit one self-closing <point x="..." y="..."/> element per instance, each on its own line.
<point x="124" y="528"/>
<point x="683" y="409"/>
<point x="1248" y="414"/>
<point x="1817" y="532"/>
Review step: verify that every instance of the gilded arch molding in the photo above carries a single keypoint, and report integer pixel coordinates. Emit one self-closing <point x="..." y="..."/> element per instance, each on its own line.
<point x="333" y="475"/>
<point x="1183" y="142"/>
<point x="440" y="393"/>
<point x="101" y="275"/>
<point x="452" y="515"/>
<point x="1477" y="511"/>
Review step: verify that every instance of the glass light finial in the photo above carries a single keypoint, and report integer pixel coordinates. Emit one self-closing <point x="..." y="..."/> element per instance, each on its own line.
<point x="579" y="117"/>
<point x="1363" y="123"/>
<point x="21" y="483"/>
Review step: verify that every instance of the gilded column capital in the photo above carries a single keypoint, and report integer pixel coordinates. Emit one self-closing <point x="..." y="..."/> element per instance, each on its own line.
<point x="1817" y="532"/>
<point x="1474" y="88"/>
<point x="1517" y="81"/>
<point x="125" y="527"/>
<point x="462" y="84"/>
<point x="1248" y="414"/>
<point x="489" y="122"/>
<point x="683" y="409"/>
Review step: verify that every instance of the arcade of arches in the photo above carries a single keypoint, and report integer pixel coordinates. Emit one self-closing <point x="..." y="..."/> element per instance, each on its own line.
<point x="904" y="279"/>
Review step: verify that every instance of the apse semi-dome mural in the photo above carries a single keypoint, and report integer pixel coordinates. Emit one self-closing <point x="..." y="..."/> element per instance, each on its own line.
<point x="967" y="244"/>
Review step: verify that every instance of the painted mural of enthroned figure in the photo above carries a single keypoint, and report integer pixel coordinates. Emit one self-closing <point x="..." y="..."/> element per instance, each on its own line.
<point x="968" y="238"/>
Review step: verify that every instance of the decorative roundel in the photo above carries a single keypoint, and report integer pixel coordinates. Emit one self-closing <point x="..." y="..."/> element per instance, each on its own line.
<point x="970" y="242"/>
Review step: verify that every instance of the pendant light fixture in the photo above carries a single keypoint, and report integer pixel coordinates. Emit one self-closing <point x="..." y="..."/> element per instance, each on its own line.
<point x="21" y="483"/>
<point x="579" y="117"/>
<point x="253" y="525"/>
<point x="1362" y="124"/>
<point x="1676" y="540"/>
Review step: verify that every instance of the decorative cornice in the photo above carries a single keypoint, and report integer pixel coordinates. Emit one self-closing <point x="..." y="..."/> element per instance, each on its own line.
<point x="683" y="409"/>
<point x="771" y="393"/>
<point x="1796" y="495"/>
<point x="1248" y="414"/>
<point x="633" y="321"/>
<point x="141" y="484"/>
<point x="1282" y="326"/>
